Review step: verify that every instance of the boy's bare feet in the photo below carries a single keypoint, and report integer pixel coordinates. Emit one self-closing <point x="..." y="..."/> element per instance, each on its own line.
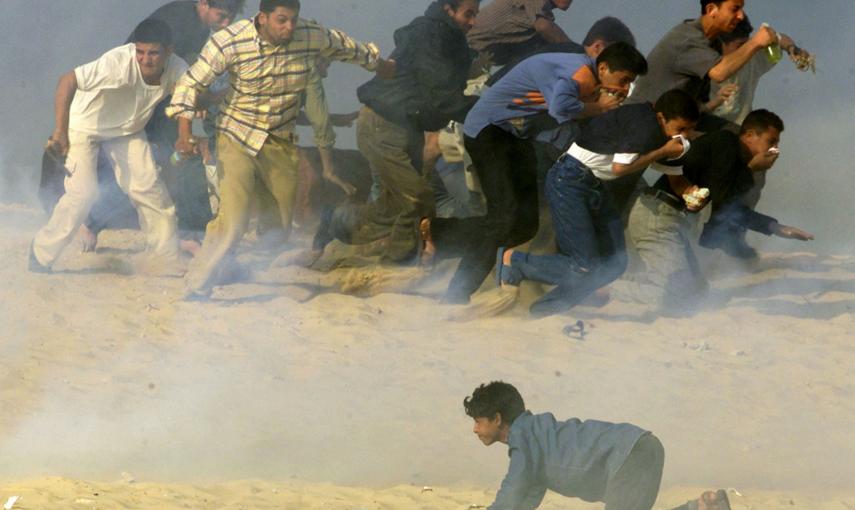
<point x="427" y="248"/>
<point x="190" y="246"/>
<point x="88" y="239"/>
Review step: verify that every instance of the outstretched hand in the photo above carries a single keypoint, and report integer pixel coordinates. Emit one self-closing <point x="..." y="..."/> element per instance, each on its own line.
<point x="788" y="232"/>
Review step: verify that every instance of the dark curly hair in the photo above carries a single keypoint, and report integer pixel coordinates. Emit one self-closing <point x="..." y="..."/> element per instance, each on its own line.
<point x="496" y="397"/>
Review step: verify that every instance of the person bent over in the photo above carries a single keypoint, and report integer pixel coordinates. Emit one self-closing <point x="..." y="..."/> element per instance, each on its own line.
<point x="588" y="226"/>
<point x="618" y="464"/>
<point x="103" y="106"/>
<point x="660" y="225"/>
<point x="541" y="94"/>
<point x="426" y="93"/>
<point x="269" y="60"/>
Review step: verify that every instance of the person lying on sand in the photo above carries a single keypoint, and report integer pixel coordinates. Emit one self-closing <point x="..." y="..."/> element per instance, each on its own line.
<point x="618" y="464"/>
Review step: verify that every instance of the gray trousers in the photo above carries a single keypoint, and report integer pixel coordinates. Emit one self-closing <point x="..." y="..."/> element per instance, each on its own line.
<point x="636" y="484"/>
<point x="664" y="271"/>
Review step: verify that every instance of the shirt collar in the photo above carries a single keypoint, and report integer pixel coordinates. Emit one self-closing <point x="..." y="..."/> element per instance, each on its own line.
<point x="516" y="427"/>
<point x="256" y="36"/>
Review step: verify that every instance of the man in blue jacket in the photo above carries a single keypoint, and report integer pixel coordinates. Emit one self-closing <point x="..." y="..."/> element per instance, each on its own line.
<point x="618" y="464"/>
<point x="537" y="98"/>
<point x="433" y="61"/>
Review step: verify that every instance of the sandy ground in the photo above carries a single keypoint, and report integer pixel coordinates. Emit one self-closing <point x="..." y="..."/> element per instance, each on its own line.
<point x="108" y="376"/>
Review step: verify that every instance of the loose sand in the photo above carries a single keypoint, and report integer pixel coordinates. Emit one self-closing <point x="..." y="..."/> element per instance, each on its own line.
<point x="338" y="401"/>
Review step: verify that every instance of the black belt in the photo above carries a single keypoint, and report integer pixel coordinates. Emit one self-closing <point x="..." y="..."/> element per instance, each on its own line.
<point x="666" y="197"/>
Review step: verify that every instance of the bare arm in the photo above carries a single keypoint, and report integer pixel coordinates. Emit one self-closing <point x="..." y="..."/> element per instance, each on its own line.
<point x="329" y="174"/>
<point x="431" y="152"/>
<point x="732" y="63"/>
<point x="65" y="92"/>
<point x="550" y="32"/>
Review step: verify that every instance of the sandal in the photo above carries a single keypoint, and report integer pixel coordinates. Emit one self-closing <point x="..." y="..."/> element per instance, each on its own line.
<point x="504" y="273"/>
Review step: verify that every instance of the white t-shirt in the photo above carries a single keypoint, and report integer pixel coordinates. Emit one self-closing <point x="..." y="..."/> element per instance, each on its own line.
<point x="747" y="78"/>
<point x="600" y="164"/>
<point x="112" y="100"/>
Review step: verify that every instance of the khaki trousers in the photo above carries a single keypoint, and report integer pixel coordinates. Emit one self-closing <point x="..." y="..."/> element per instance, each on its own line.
<point x="665" y="272"/>
<point x="275" y="168"/>
<point x="394" y="153"/>
<point x="136" y="174"/>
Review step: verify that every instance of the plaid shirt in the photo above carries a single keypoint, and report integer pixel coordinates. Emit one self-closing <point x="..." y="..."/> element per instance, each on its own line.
<point x="266" y="81"/>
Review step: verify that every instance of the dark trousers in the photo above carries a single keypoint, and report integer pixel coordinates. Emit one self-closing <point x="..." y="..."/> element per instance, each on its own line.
<point x="589" y="235"/>
<point x="507" y="169"/>
<point x="186" y="183"/>
<point x="635" y="485"/>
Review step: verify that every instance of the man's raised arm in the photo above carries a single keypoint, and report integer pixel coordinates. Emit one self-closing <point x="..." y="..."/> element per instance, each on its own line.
<point x="343" y="48"/>
<point x="730" y="64"/>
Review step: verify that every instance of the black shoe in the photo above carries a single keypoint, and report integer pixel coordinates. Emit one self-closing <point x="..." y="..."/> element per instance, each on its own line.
<point x="33" y="264"/>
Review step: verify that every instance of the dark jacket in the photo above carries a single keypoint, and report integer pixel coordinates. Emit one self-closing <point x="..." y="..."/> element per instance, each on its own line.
<point x="433" y="61"/>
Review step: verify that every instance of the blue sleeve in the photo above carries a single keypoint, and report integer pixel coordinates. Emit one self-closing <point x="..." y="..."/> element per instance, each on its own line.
<point x="562" y="98"/>
<point x="520" y="490"/>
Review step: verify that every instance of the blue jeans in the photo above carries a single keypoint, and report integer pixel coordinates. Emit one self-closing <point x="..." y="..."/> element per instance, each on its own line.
<point x="589" y="234"/>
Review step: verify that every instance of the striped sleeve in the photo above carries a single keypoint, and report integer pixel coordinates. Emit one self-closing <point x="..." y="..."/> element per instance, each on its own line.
<point x="212" y="62"/>
<point x="337" y="45"/>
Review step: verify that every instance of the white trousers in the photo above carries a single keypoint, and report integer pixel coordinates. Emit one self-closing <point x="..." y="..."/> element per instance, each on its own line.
<point x="136" y="174"/>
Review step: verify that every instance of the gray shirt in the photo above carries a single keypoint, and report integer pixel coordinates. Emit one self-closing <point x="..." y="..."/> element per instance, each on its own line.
<point x="681" y="60"/>
<point x="573" y="458"/>
<point x="740" y="104"/>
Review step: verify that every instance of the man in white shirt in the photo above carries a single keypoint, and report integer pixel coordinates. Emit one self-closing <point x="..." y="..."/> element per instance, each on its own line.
<point x="104" y="106"/>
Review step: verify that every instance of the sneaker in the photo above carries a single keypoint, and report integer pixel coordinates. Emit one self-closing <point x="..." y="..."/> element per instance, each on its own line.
<point x="33" y="264"/>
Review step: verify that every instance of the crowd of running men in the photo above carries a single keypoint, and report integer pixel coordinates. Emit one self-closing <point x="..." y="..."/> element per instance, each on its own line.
<point x="479" y="118"/>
